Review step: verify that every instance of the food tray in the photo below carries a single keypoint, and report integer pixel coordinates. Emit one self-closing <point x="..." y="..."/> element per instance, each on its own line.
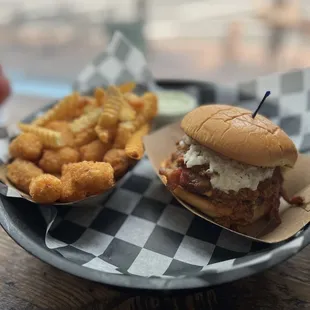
<point x="231" y="257"/>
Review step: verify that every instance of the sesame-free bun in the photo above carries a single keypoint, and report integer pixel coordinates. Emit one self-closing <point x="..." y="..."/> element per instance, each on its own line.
<point x="232" y="132"/>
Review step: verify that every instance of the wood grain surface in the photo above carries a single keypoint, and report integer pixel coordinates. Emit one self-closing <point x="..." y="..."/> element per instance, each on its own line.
<point x="26" y="283"/>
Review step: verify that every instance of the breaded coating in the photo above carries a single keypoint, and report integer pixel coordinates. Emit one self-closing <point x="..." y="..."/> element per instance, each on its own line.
<point x="20" y="172"/>
<point x="68" y="191"/>
<point x="64" y="128"/>
<point x="45" y="188"/>
<point x="93" y="151"/>
<point x="53" y="160"/>
<point x="26" y="146"/>
<point x="85" y="179"/>
<point x="119" y="161"/>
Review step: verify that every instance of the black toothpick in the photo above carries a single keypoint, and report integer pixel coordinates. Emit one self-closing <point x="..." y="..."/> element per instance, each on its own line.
<point x="261" y="103"/>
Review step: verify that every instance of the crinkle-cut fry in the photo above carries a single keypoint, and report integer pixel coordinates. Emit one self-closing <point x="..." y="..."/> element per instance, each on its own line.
<point x="99" y="95"/>
<point x="90" y="107"/>
<point x="127" y="87"/>
<point x="134" y="148"/>
<point x="148" y="113"/>
<point x="49" y="138"/>
<point x="111" y="109"/>
<point x="127" y="113"/>
<point x="63" y="110"/>
<point x="105" y="135"/>
<point x="86" y="121"/>
<point x="134" y="101"/>
<point x="123" y="134"/>
<point x="85" y="137"/>
<point x="150" y="105"/>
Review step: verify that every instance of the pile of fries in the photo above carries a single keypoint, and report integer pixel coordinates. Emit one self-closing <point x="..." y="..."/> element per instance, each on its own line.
<point x="82" y="145"/>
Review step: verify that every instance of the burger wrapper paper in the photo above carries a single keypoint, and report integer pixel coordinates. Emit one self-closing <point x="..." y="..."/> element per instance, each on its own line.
<point x="162" y="143"/>
<point x="121" y="62"/>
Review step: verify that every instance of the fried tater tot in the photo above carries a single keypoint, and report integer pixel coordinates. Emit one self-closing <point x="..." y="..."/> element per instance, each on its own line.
<point x="86" y="177"/>
<point x="69" y="193"/>
<point x="134" y="147"/>
<point x="93" y="151"/>
<point x="85" y="137"/>
<point x="64" y="129"/>
<point x="20" y="172"/>
<point x="118" y="160"/>
<point x="26" y="146"/>
<point x="53" y="160"/>
<point x="45" y="188"/>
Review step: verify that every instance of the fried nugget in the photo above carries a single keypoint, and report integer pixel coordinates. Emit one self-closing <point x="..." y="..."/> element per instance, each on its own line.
<point x="45" y="189"/>
<point x="20" y="172"/>
<point x="26" y="146"/>
<point x="89" y="177"/>
<point x="53" y="160"/>
<point x="93" y="151"/>
<point x="119" y="161"/>
<point x="64" y="128"/>
<point x="68" y="191"/>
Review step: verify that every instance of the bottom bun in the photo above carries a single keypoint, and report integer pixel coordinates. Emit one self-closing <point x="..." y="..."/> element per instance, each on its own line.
<point x="205" y="206"/>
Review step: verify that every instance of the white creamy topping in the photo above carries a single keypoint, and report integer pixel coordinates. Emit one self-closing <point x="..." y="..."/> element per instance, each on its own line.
<point x="226" y="174"/>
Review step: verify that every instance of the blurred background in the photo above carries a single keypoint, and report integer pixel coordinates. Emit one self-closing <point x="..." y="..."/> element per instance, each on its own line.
<point x="44" y="44"/>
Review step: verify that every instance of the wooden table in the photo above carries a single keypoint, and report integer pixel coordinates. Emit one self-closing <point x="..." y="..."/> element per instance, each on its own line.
<point x="26" y="283"/>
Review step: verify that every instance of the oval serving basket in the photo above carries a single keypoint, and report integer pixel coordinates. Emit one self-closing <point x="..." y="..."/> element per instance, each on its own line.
<point x="141" y="238"/>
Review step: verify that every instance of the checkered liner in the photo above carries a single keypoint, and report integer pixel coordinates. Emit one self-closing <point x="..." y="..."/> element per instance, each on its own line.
<point x="142" y="230"/>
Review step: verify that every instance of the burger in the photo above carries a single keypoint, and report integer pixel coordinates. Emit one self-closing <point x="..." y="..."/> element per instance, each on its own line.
<point x="228" y="165"/>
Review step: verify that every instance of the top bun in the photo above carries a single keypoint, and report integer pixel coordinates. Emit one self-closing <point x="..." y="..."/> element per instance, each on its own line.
<point x="232" y="132"/>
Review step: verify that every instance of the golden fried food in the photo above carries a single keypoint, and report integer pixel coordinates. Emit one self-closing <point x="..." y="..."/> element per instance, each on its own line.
<point x="26" y="146"/>
<point x="49" y="138"/>
<point x="127" y="87"/>
<point x="134" y="147"/>
<point x="68" y="108"/>
<point x="53" y="160"/>
<point x="20" y="172"/>
<point x="82" y="144"/>
<point x="93" y="151"/>
<point x="64" y="129"/>
<point x="123" y="134"/>
<point x="45" y="189"/>
<point x="118" y="160"/>
<point x="86" y="178"/>
<point x="105" y="135"/>
<point x="86" y="121"/>
<point x="135" y="101"/>
<point x="111" y="109"/>
<point x="85" y="137"/>
<point x="69" y="193"/>
<point x="99" y="95"/>
<point x="127" y="113"/>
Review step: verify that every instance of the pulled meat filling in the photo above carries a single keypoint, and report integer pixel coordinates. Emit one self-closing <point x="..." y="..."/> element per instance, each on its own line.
<point x="197" y="180"/>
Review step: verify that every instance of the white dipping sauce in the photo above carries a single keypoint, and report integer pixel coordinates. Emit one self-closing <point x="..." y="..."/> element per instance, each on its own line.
<point x="227" y="174"/>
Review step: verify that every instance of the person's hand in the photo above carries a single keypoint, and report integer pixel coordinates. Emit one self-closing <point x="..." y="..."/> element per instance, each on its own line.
<point x="5" y="88"/>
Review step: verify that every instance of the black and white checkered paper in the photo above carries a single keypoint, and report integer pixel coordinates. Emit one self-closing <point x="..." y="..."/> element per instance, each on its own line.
<point x="141" y="229"/>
